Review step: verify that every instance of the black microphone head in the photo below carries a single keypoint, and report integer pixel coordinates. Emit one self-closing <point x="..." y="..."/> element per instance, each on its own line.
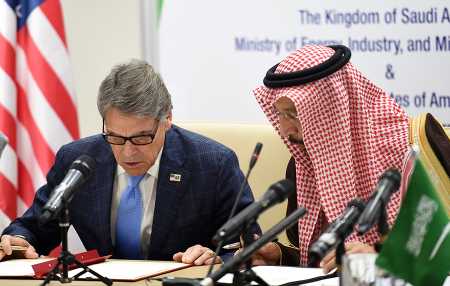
<point x="85" y="164"/>
<point x="336" y="232"/>
<point x="388" y="184"/>
<point x="394" y="176"/>
<point x="255" y="155"/>
<point x="282" y="189"/>
<point x="258" y="148"/>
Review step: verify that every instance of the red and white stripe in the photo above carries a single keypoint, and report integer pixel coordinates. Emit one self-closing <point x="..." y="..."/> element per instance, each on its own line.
<point x="37" y="102"/>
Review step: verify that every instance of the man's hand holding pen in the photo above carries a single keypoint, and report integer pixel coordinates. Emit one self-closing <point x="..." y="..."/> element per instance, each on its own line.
<point x="269" y="254"/>
<point x="18" y="245"/>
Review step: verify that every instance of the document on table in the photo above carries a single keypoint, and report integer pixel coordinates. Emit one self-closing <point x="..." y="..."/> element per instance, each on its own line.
<point x="114" y="269"/>
<point x="130" y="270"/>
<point x="277" y="275"/>
<point x="19" y="267"/>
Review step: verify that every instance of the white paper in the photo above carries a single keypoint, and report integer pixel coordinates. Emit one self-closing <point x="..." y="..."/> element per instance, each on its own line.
<point x="74" y="243"/>
<point x="277" y="275"/>
<point x="19" y="267"/>
<point x="130" y="269"/>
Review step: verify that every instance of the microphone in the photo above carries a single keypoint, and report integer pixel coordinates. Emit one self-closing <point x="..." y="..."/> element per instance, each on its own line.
<point x="255" y="155"/>
<point x="386" y="186"/>
<point x="336" y="232"/>
<point x="3" y="142"/>
<point x="276" y="193"/>
<point x="253" y="160"/>
<point x="78" y="173"/>
<point x="247" y="252"/>
<point x="241" y="257"/>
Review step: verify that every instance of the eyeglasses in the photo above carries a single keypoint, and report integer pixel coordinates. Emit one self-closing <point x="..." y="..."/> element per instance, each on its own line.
<point x="142" y="139"/>
<point x="288" y="115"/>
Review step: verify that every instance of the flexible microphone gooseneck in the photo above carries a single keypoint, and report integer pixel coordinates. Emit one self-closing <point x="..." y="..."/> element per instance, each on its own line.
<point x="253" y="160"/>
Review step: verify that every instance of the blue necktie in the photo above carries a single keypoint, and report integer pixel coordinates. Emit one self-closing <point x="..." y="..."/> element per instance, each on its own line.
<point x="128" y="222"/>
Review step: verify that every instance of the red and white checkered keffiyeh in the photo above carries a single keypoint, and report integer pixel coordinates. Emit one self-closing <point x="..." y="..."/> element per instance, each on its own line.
<point x="352" y="131"/>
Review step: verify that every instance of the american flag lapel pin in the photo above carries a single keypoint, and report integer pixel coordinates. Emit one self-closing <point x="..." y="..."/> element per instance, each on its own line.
<point x="175" y="177"/>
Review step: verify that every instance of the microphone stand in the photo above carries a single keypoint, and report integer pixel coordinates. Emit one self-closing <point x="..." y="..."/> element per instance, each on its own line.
<point x="340" y="251"/>
<point x="186" y="281"/>
<point x="243" y="256"/>
<point x="383" y="226"/>
<point x="252" y="163"/>
<point x="247" y="276"/>
<point x="66" y="258"/>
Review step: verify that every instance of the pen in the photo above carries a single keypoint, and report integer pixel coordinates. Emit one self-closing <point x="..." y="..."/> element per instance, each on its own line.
<point x="16" y="248"/>
<point x="235" y="245"/>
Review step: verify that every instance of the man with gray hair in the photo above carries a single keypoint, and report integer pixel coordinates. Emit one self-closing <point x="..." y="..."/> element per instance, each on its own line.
<point x="159" y="192"/>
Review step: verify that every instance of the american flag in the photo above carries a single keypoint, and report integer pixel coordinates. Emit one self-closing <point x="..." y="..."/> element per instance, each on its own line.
<point x="37" y="101"/>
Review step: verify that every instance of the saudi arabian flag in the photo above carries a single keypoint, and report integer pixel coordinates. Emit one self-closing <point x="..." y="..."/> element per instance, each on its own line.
<point x="417" y="249"/>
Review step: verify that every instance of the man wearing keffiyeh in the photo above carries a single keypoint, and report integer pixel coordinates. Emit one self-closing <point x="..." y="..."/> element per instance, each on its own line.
<point x="342" y="131"/>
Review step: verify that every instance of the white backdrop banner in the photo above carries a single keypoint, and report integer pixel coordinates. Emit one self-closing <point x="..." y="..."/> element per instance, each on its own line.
<point x="213" y="53"/>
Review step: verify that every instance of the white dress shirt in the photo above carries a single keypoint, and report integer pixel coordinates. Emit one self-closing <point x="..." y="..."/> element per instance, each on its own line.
<point x="147" y="187"/>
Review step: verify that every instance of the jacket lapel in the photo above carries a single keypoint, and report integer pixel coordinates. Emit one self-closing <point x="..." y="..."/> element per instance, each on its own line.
<point x="102" y="197"/>
<point x="173" y="181"/>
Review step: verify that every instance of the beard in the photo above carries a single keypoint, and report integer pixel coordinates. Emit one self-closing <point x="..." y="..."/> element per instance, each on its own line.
<point x="294" y="140"/>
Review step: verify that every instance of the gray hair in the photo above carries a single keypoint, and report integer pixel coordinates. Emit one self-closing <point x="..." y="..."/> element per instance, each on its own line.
<point x="134" y="88"/>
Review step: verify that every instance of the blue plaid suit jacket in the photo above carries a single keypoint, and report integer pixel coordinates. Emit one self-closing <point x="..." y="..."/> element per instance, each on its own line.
<point x="186" y="213"/>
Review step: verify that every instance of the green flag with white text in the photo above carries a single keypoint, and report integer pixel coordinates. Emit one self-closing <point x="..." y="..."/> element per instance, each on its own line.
<point x="417" y="249"/>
